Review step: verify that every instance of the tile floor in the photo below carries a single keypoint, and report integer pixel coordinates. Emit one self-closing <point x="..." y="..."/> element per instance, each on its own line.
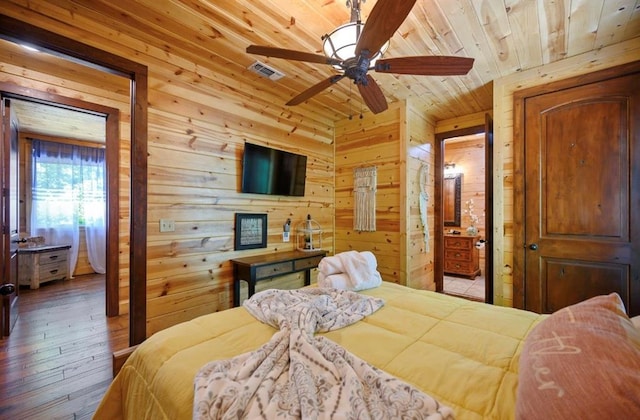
<point x="473" y="289"/>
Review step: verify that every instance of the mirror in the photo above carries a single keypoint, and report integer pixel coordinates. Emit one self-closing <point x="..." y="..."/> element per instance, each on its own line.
<point x="451" y="189"/>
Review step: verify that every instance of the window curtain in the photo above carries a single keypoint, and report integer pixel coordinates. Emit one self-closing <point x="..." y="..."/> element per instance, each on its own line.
<point x="68" y="190"/>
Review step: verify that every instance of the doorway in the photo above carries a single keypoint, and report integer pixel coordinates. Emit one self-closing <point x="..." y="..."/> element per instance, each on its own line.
<point x="48" y="104"/>
<point x="464" y="256"/>
<point x="137" y="75"/>
<point x="464" y="208"/>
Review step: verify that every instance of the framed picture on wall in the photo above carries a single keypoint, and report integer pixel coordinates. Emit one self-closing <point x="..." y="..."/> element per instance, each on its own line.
<point x="250" y="231"/>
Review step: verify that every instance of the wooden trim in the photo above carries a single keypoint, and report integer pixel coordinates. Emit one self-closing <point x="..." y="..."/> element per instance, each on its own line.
<point x="21" y="32"/>
<point x="119" y="357"/>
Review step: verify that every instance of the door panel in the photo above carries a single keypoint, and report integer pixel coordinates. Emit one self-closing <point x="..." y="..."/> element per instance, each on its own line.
<point x="10" y="231"/>
<point x="579" y="151"/>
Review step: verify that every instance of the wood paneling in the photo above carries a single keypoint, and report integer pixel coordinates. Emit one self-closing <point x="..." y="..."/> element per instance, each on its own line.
<point x="206" y="42"/>
<point x="366" y="143"/>
<point x="195" y="145"/>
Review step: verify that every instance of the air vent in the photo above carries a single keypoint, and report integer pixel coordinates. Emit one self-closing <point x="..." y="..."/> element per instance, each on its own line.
<point x="266" y="71"/>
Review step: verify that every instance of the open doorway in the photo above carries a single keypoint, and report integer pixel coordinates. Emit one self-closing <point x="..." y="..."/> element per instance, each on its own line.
<point x="136" y="75"/>
<point x="62" y="189"/>
<point x="464" y="212"/>
<point x="464" y="206"/>
<point x="57" y="120"/>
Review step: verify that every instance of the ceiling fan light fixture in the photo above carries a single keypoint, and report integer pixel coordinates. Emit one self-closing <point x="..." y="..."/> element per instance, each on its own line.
<point x="341" y="43"/>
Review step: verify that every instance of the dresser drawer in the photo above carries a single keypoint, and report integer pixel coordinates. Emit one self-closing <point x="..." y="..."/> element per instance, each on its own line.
<point x="458" y="243"/>
<point x="460" y="267"/>
<point x="458" y="255"/>
<point x="274" y="269"/>
<point x="306" y="263"/>
<point x="53" y="256"/>
<point x="53" y="271"/>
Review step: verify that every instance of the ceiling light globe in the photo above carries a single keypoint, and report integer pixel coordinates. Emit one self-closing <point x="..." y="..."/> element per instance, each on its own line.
<point x="341" y="43"/>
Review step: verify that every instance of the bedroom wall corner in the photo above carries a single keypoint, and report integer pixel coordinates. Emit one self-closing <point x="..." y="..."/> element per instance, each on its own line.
<point x="419" y="147"/>
<point x="371" y="141"/>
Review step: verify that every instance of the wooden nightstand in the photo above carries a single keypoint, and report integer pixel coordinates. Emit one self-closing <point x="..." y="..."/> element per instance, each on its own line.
<point x="461" y="257"/>
<point x="41" y="264"/>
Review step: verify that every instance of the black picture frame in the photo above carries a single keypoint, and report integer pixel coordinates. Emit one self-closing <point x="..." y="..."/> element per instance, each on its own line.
<point x="250" y="231"/>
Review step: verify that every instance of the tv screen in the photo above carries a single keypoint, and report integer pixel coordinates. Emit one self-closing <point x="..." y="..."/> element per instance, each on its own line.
<point x="271" y="171"/>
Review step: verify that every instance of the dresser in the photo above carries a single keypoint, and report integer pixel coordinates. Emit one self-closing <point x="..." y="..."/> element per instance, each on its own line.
<point x="40" y="264"/>
<point x="461" y="257"/>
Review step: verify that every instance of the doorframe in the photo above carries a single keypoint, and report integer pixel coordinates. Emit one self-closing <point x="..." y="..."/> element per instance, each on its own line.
<point x="439" y="208"/>
<point x="23" y="33"/>
<point x="519" y="98"/>
<point x="112" y="158"/>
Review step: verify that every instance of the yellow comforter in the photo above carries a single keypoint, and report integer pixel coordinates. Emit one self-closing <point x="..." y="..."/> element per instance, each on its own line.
<point x="464" y="354"/>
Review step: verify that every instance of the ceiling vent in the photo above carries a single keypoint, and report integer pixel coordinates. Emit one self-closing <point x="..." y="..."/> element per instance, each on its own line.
<point x="266" y="71"/>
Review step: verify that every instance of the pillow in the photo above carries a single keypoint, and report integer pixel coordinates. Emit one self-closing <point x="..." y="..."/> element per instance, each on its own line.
<point x="581" y="362"/>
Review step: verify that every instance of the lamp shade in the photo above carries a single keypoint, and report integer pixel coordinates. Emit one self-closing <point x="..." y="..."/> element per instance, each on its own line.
<point x="341" y="43"/>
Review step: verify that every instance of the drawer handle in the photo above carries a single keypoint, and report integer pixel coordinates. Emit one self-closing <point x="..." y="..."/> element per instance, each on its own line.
<point x="458" y="243"/>
<point x="53" y="257"/>
<point x="53" y="271"/>
<point x="458" y="254"/>
<point x="457" y="265"/>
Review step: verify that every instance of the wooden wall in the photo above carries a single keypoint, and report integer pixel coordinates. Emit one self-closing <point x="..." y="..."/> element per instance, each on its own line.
<point x="198" y="123"/>
<point x="397" y="142"/>
<point x="372" y="141"/>
<point x="419" y="255"/>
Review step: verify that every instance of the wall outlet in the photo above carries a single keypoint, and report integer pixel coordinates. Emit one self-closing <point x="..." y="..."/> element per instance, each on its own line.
<point x="167" y="225"/>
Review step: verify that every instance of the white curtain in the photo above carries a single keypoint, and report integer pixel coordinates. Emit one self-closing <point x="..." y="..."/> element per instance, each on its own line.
<point x="68" y="189"/>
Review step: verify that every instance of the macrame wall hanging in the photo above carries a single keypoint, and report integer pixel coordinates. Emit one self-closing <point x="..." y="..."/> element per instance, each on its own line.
<point x="424" y="198"/>
<point x="365" y="181"/>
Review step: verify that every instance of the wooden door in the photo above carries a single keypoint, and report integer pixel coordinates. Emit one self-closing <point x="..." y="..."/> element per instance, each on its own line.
<point x="10" y="231"/>
<point x="582" y="194"/>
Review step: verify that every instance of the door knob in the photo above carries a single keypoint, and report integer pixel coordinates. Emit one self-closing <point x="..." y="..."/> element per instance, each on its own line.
<point x="533" y="247"/>
<point x="6" y="289"/>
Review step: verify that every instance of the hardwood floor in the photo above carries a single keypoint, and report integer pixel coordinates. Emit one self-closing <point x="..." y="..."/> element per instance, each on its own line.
<point x="56" y="364"/>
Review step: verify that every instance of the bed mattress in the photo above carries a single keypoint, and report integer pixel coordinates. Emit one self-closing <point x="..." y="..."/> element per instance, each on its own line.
<point x="462" y="353"/>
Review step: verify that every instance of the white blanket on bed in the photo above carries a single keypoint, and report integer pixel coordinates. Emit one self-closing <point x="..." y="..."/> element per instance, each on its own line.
<point x="350" y="270"/>
<point x="297" y="375"/>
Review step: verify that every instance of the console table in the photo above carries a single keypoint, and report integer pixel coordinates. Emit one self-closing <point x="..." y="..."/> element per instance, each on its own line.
<point x="262" y="267"/>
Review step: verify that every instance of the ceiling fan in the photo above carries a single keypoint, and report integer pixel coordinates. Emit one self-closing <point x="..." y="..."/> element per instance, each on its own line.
<point x="370" y="40"/>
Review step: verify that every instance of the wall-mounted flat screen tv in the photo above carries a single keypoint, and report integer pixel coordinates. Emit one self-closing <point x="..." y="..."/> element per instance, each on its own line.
<point x="271" y="171"/>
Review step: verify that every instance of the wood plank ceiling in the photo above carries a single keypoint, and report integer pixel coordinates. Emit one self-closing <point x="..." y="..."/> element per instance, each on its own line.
<point x="503" y="36"/>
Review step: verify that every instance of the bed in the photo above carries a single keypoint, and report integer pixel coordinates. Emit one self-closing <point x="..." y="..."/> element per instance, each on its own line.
<point x="466" y="355"/>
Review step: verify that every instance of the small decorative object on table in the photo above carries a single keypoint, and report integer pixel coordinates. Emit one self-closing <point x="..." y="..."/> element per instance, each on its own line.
<point x="309" y="235"/>
<point x="472" y="230"/>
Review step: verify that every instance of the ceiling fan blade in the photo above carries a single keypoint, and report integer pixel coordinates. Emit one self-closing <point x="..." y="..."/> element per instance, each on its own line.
<point x="291" y="55"/>
<point x="315" y="89"/>
<point x="373" y="96"/>
<point x="385" y="18"/>
<point x="425" y="65"/>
